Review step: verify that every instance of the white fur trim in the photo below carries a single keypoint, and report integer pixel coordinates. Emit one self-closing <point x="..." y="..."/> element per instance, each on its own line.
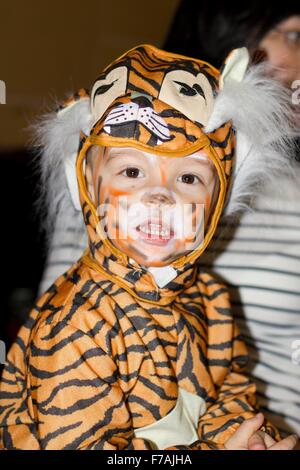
<point x="70" y="169"/>
<point x="57" y="138"/>
<point x="261" y="112"/>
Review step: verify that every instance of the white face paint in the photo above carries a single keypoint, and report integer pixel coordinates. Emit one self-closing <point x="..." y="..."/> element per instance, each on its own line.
<point x="154" y="207"/>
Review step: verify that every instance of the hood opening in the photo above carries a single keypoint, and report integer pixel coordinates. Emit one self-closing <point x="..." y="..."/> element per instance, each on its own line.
<point x="93" y="223"/>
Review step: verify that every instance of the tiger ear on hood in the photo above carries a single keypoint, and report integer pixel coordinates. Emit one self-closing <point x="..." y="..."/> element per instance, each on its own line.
<point x="262" y="116"/>
<point x="233" y="74"/>
<point x="235" y="66"/>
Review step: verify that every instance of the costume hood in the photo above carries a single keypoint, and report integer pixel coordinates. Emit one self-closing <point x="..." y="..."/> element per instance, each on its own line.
<point x="168" y="105"/>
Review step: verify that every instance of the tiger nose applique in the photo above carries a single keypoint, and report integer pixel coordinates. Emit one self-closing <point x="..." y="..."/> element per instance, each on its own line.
<point x="124" y="120"/>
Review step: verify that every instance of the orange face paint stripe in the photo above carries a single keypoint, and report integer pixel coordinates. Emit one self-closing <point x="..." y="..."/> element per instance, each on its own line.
<point x="116" y="192"/>
<point x="163" y="175"/>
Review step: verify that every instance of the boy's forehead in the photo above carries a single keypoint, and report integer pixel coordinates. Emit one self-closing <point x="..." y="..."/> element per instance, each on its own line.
<point x="110" y="153"/>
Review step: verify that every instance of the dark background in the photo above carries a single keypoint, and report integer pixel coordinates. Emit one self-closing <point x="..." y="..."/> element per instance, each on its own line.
<point x="23" y="248"/>
<point x="47" y="50"/>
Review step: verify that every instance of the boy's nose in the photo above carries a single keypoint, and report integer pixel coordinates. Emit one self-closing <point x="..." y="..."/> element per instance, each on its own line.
<point x="158" y="198"/>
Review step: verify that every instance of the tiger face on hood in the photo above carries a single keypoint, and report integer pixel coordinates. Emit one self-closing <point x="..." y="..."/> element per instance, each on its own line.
<point x="156" y="105"/>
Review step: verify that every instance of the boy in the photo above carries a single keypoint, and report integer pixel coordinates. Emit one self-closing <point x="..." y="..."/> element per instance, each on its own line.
<point x="134" y="347"/>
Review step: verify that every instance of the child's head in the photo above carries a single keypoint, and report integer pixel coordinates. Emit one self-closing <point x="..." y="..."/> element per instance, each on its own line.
<point x="154" y="181"/>
<point x="155" y="208"/>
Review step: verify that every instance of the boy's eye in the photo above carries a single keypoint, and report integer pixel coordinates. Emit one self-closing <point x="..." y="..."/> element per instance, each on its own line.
<point x="189" y="179"/>
<point x="132" y="172"/>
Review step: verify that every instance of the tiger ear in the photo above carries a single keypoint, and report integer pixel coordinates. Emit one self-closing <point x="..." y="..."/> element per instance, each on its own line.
<point x="235" y="66"/>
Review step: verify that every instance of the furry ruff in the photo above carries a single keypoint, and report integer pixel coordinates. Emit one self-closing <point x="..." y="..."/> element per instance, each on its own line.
<point x="264" y="120"/>
<point x="56" y="137"/>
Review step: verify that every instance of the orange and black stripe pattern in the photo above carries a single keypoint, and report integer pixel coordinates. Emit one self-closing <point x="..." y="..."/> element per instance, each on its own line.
<point x="94" y="363"/>
<point x="105" y="352"/>
<point x="148" y="66"/>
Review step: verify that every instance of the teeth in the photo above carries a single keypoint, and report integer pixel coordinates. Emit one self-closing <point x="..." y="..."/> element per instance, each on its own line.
<point x="154" y="229"/>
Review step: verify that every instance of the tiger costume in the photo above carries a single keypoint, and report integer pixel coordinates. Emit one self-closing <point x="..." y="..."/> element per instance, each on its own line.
<point x="114" y="356"/>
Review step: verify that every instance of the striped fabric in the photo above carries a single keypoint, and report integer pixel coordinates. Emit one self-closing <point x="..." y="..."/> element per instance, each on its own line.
<point x="259" y="258"/>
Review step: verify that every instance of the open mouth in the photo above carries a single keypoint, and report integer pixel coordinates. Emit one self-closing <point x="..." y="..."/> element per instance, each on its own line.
<point x="155" y="233"/>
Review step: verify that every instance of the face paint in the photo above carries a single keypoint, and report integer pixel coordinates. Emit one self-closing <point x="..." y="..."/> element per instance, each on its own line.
<point x="155" y="205"/>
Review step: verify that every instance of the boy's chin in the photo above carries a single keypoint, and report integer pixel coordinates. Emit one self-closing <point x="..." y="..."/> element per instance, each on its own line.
<point x="151" y="255"/>
<point x="154" y="263"/>
<point x="158" y="261"/>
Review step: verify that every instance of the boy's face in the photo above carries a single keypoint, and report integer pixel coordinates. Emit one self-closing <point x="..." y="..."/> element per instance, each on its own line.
<point x="153" y="208"/>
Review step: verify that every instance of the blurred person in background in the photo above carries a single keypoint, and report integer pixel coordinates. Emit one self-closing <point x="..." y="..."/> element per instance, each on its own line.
<point x="214" y="29"/>
<point x="257" y="255"/>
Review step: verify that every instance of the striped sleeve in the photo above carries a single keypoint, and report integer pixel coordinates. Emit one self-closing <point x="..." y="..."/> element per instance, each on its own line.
<point x="258" y="257"/>
<point x="73" y="396"/>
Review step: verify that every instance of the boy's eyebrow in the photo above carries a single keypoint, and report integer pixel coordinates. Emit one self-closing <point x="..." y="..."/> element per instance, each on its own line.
<point x="204" y="159"/>
<point x="110" y="155"/>
<point x="117" y="153"/>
